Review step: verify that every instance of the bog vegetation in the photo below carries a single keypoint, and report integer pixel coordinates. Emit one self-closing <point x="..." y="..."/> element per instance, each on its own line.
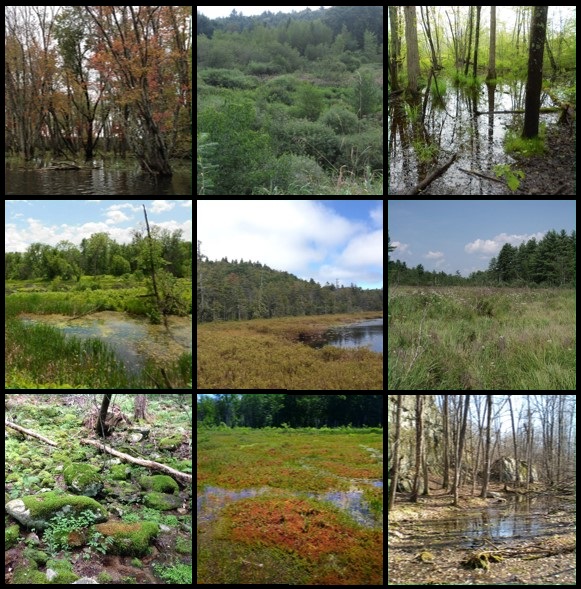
<point x="291" y="104"/>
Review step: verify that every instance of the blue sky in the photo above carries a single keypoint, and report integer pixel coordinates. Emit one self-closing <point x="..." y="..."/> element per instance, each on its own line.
<point x="326" y="240"/>
<point x="51" y="221"/>
<point x="464" y="235"/>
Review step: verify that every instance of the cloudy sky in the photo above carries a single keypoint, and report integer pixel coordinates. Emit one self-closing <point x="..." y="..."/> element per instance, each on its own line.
<point x="465" y="235"/>
<point x="219" y="11"/>
<point x="51" y="221"/>
<point x="325" y="240"/>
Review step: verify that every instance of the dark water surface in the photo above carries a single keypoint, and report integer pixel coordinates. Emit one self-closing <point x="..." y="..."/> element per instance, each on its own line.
<point x="366" y="333"/>
<point x="95" y="182"/>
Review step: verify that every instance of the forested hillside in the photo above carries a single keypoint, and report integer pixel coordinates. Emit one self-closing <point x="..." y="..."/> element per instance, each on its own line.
<point x="548" y="262"/>
<point x="239" y="290"/>
<point x="291" y="104"/>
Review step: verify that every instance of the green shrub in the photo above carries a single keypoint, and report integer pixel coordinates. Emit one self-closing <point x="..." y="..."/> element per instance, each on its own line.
<point x="227" y="79"/>
<point x="341" y="120"/>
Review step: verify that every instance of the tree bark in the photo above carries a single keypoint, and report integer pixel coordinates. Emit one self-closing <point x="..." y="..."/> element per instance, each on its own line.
<point x="535" y="73"/>
<point x="29" y="433"/>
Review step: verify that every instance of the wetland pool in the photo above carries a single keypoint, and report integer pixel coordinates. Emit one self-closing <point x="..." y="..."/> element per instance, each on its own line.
<point x="133" y="339"/>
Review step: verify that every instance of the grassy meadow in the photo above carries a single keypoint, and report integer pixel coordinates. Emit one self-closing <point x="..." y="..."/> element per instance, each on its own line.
<point x="270" y="354"/>
<point x="471" y="338"/>
<point x="265" y="514"/>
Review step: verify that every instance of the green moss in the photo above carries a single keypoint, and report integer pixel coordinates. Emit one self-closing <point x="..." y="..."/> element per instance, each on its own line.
<point x="159" y="483"/>
<point x="44" y="506"/>
<point x="11" y="536"/>
<point x="120" y="472"/>
<point x="129" y="539"/>
<point x="161" y="501"/>
<point x="171" y="442"/>
<point x="83" y="479"/>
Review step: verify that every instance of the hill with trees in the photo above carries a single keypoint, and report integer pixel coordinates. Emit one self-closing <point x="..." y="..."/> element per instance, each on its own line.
<point x="291" y="104"/>
<point x="239" y="290"/>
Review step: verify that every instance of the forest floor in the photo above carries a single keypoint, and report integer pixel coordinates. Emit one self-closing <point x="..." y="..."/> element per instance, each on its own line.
<point x="554" y="171"/>
<point x="430" y="542"/>
<point x="35" y="471"/>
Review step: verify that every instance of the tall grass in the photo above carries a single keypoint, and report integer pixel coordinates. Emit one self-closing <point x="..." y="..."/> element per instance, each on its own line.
<point x="481" y="339"/>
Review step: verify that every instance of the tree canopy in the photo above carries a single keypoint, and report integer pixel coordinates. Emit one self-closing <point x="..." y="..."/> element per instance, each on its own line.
<point x="276" y="410"/>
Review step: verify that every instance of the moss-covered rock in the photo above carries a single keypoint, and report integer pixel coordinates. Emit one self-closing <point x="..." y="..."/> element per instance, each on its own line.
<point x="171" y="442"/>
<point x="83" y="479"/>
<point x="35" y="511"/>
<point x="160" y="483"/>
<point x="120" y="472"/>
<point x="58" y="572"/>
<point x="129" y="539"/>
<point x="11" y="536"/>
<point x="161" y="501"/>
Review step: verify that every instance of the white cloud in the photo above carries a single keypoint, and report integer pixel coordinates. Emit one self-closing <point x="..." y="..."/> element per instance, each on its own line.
<point x="304" y="237"/>
<point x="92" y="201"/>
<point x="114" y="217"/>
<point x="434" y="255"/>
<point x="160" y="206"/>
<point x="491" y="247"/>
<point x="401" y="248"/>
<point x="377" y="215"/>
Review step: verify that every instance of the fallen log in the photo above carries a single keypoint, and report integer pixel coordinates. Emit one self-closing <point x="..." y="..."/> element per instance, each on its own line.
<point x="429" y="179"/>
<point x="29" y="433"/>
<point x="184" y="477"/>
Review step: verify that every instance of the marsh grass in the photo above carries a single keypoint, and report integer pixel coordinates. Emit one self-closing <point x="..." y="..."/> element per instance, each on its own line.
<point x="270" y="354"/>
<point x="481" y="339"/>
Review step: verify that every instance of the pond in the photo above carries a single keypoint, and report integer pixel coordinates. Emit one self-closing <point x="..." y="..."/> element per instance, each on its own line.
<point x="525" y="519"/>
<point x="365" y="333"/>
<point x="133" y="339"/>
<point x="97" y="182"/>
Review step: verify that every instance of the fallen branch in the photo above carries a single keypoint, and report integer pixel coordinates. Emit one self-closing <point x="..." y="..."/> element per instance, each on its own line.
<point x="481" y="175"/>
<point x="429" y="179"/>
<point x="514" y="112"/>
<point x="186" y="478"/>
<point x="29" y="433"/>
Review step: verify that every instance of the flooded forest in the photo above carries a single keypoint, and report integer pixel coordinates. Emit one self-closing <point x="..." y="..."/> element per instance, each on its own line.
<point x="482" y="100"/>
<point x="481" y="489"/>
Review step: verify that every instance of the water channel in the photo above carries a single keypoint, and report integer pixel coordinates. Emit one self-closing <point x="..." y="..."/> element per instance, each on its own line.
<point x="363" y="334"/>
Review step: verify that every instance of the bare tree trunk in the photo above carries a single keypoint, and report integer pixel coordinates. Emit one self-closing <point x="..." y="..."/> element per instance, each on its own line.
<point x="101" y="427"/>
<point x="461" y="438"/>
<point x="487" y="451"/>
<point x="413" y="54"/>
<point x="395" y="459"/>
<point x="419" y="446"/>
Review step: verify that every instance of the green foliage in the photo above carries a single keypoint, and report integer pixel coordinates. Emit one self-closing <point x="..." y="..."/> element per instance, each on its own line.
<point x="227" y="78"/>
<point x="178" y="574"/>
<point x="367" y="96"/>
<point x="242" y="151"/>
<point x="511" y="176"/>
<point x="308" y="138"/>
<point x="309" y="102"/>
<point x="341" y="120"/>
<point x="56" y="536"/>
